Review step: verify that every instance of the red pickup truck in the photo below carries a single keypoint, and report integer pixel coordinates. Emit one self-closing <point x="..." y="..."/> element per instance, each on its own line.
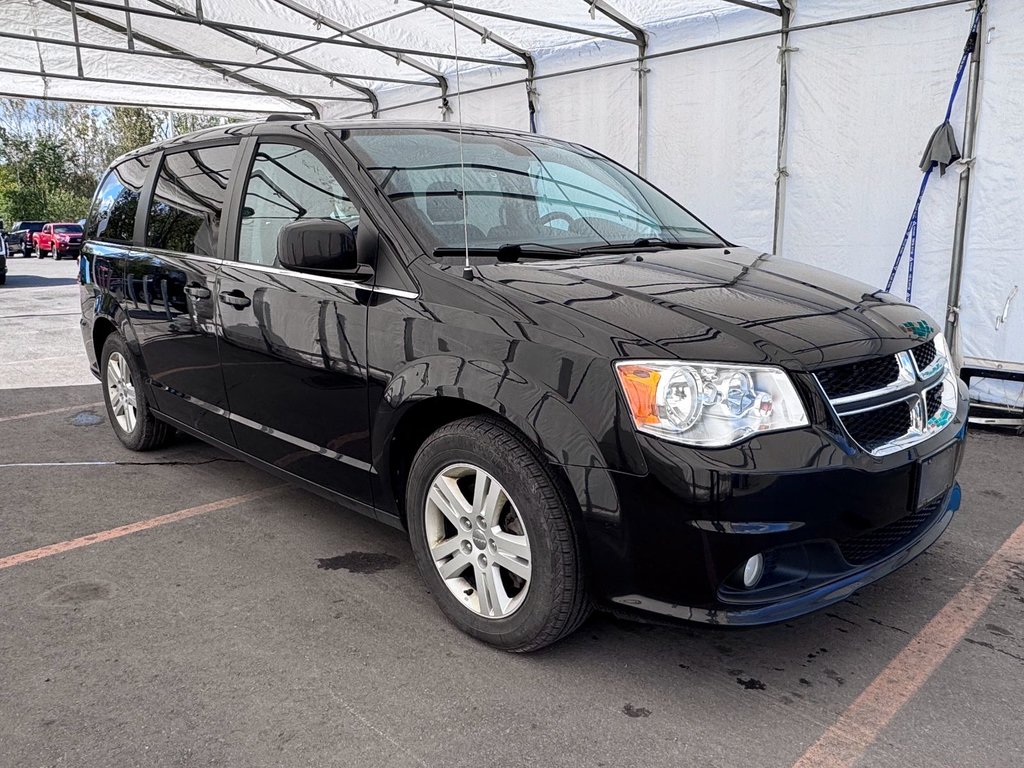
<point x="58" y="240"/>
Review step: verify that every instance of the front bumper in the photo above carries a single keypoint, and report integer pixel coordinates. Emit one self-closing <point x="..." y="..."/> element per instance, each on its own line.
<point x="827" y="520"/>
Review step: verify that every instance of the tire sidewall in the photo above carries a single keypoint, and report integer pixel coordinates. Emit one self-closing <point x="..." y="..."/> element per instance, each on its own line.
<point x="116" y="343"/>
<point x="533" y="615"/>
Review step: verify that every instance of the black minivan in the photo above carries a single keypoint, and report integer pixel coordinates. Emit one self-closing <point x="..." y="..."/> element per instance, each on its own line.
<point x="566" y="388"/>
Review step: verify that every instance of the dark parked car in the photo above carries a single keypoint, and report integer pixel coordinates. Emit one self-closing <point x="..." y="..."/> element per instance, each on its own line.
<point x="19" y="240"/>
<point x="565" y="387"/>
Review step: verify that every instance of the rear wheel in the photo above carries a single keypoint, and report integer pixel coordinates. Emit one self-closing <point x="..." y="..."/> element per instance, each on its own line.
<point x="130" y="415"/>
<point x="493" y="538"/>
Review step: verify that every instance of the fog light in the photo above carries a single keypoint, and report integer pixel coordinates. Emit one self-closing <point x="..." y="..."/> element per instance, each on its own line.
<point x="753" y="571"/>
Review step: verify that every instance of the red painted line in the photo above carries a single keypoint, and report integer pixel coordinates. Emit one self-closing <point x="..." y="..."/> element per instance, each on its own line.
<point x="124" y="530"/>
<point x="83" y="406"/>
<point x="859" y="726"/>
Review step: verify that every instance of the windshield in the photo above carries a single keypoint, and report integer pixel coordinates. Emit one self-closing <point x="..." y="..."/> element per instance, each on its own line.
<point x="518" y="190"/>
<point x="67" y="229"/>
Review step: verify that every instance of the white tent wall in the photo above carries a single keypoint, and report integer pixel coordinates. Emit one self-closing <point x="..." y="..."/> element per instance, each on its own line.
<point x="864" y="99"/>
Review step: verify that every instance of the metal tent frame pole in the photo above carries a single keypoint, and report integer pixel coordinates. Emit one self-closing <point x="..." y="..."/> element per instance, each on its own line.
<point x="956" y="267"/>
<point x="786" y="16"/>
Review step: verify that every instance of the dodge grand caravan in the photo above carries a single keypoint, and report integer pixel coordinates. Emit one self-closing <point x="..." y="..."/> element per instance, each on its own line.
<point x="566" y="388"/>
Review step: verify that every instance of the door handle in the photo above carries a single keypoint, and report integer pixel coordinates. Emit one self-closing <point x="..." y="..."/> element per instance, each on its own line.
<point x="197" y="292"/>
<point x="235" y="298"/>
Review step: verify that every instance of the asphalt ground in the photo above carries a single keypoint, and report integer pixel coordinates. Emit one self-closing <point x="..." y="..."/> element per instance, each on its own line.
<point x="265" y="626"/>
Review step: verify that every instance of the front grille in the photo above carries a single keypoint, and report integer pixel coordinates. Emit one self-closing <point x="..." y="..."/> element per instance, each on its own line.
<point x="883" y="404"/>
<point x="873" y="429"/>
<point x="879" y="542"/>
<point x="857" y="378"/>
<point x="924" y="355"/>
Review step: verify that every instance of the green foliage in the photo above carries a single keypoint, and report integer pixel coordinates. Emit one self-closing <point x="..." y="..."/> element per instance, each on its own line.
<point x="52" y="154"/>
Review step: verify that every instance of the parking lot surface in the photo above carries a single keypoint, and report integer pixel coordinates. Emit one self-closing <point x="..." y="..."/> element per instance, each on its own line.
<point x="180" y="608"/>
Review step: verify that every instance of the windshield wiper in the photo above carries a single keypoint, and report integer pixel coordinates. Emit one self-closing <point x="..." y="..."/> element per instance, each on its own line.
<point x="511" y="252"/>
<point x="647" y="242"/>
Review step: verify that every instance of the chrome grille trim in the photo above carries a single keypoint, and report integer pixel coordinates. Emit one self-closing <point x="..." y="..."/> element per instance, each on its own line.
<point x="912" y="387"/>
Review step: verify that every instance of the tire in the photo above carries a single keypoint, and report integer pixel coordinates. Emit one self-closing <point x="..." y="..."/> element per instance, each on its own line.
<point x="54" y="253"/>
<point x="39" y="253"/>
<point x="3" y="279"/>
<point x="543" y="597"/>
<point x="135" y="426"/>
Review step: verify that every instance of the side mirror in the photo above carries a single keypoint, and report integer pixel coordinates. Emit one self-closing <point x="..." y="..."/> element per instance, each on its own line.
<point x="321" y="247"/>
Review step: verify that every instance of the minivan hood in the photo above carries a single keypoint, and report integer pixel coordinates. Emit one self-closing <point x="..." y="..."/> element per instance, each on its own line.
<point x="728" y="305"/>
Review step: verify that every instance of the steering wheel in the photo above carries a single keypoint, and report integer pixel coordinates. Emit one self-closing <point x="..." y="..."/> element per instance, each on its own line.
<point x="547" y="218"/>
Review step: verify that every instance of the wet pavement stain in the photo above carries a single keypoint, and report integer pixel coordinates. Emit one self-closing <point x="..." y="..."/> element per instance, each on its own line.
<point x="630" y="711"/>
<point x="86" y="419"/>
<point x="753" y="684"/>
<point x="835" y="677"/>
<point x="359" y="562"/>
<point x="77" y="593"/>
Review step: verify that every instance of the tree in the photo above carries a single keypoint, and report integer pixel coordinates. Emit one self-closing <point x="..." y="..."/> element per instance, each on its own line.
<point x="52" y="154"/>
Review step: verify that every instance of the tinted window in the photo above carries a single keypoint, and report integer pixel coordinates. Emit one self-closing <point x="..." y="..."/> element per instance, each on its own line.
<point x="112" y="218"/>
<point x="185" y="213"/>
<point x="67" y="229"/>
<point x="287" y="184"/>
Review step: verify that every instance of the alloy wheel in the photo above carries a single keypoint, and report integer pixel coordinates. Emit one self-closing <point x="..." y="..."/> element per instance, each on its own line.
<point x="477" y="541"/>
<point x="123" y="403"/>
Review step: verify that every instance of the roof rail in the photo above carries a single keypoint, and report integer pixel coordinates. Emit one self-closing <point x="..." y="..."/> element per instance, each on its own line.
<point x="281" y="117"/>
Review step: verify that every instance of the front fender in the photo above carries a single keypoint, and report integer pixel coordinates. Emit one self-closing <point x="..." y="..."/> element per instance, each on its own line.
<point x="542" y="414"/>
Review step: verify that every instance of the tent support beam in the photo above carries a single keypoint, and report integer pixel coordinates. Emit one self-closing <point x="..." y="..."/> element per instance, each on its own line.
<point x="956" y="268"/>
<point x="307" y="46"/>
<point x="78" y="46"/>
<point x="367" y="93"/>
<point x="758" y="7"/>
<point x="221" y="26"/>
<point x="489" y="36"/>
<point x="642" y="70"/>
<point x="521" y="20"/>
<point x="401" y="58"/>
<point x="163" y="86"/>
<point x="139" y="104"/>
<point x="167" y="47"/>
<point x="786" y="15"/>
<point x="242" y="65"/>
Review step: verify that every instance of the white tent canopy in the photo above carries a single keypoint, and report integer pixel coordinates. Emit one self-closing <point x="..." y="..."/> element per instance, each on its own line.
<point x="793" y="125"/>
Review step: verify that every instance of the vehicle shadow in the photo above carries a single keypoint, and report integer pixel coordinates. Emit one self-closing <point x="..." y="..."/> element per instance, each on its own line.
<point x="37" y="281"/>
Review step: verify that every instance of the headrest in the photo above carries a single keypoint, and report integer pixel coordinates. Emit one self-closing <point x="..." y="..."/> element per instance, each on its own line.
<point x="444" y="204"/>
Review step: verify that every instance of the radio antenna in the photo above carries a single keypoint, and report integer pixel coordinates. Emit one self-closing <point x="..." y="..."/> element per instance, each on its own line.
<point x="467" y="270"/>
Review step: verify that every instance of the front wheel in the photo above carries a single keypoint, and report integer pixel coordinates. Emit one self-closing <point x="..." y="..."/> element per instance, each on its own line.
<point x="130" y="415"/>
<point x="55" y="254"/>
<point x="493" y="537"/>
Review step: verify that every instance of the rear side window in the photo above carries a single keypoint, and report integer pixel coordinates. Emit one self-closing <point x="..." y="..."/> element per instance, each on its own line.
<point x="188" y="200"/>
<point x="112" y="218"/>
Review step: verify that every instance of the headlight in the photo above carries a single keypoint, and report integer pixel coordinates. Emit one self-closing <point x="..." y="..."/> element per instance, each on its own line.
<point x="708" y="404"/>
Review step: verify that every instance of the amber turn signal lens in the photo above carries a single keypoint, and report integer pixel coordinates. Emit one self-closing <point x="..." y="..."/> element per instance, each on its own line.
<point x="641" y="387"/>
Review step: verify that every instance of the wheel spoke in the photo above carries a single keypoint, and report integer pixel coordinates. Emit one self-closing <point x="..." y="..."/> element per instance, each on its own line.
<point x="492" y="503"/>
<point x="494" y="600"/>
<point x="456" y="565"/>
<point x="446" y="548"/>
<point x="512" y="545"/>
<point x="445" y="494"/>
<point x="514" y="565"/>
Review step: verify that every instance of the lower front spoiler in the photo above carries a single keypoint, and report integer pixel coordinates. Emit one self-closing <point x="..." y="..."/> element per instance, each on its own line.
<point x="805" y="602"/>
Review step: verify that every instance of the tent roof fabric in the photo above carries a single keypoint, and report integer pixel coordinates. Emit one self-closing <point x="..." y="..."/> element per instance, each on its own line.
<point x="261" y="56"/>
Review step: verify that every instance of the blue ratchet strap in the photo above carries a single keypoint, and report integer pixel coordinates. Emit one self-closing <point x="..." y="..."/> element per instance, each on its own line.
<point x="910" y="234"/>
